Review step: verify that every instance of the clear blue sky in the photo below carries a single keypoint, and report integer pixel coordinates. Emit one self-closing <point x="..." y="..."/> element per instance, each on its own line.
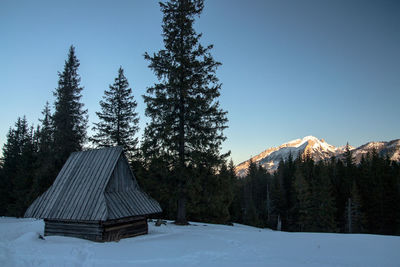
<point x="290" y="68"/>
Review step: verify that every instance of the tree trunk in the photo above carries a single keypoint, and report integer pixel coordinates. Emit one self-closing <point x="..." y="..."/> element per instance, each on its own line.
<point x="279" y="224"/>
<point x="349" y="219"/>
<point x="181" y="216"/>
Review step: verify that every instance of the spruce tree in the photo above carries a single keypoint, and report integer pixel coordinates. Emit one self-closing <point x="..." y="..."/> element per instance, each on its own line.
<point x="322" y="204"/>
<point x="354" y="216"/>
<point x="303" y="204"/>
<point x="25" y="175"/>
<point x="19" y="158"/>
<point x="46" y="171"/>
<point x="3" y="191"/>
<point x="186" y="121"/>
<point x="118" y="120"/>
<point x="69" y="119"/>
<point x="46" y="130"/>
<point x="348" y="156"/>
<point x="11" y="156"/>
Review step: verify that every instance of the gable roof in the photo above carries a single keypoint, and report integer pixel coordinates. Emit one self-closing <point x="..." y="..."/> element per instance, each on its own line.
<point x="83" y="190"/>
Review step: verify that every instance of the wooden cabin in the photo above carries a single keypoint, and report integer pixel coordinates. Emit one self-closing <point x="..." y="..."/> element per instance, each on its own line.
<point x="95" y="196"/>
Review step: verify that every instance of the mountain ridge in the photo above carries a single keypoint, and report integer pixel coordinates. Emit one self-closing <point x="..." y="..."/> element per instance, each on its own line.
<point x="319" y="149"/>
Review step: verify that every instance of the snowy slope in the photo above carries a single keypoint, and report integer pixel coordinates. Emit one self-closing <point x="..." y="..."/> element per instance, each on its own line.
<point x="195" y="245"/>
<point x="391" y="149"/>
<point x="270" y="158"/>
<point x="319" y="150"/>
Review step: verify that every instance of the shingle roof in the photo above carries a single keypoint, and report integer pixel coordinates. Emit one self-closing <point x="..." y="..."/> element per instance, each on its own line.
<point x="79" y="191"/>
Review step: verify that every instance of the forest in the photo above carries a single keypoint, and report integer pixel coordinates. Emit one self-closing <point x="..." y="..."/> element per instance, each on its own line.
<point x="326" y="196"/>
<point x="178" y="160"/>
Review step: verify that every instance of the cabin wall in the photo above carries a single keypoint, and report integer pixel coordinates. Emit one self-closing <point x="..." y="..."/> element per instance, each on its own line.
<point x="86" y="230"/>
<point x="122" y="177"/>
<point x="111" y="230"/>
<point x="114" y="230"/>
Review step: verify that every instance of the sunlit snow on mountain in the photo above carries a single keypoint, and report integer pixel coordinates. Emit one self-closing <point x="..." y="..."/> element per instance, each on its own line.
<point x="318" y="149"/>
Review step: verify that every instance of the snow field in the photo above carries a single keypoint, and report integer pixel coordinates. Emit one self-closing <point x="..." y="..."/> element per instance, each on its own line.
<point x="198" y="244"/>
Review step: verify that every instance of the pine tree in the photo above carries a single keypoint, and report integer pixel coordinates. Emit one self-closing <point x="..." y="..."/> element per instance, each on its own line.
<point x="186" y="119"/>
<point x="348" y="155"/>
<point x="11" y="156"/>
<point x="118" y="120"/>
<point x="46" y="130"/>
<point x="237" y="206"/>
<point x="25" y="175"/>
<point x="303" y="204"/>
<point x="19" y="158"/>
<point x="46" y="171"/>
<point x="322" y="204"/>
<point x="69" y="119"/>
<point x="354" y="216"/>
<point x="3" y="191"/>
<point x="222" y="194"/>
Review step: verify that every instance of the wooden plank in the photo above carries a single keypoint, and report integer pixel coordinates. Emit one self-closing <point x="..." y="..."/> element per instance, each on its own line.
<point x="103" y="181"/>
<point x="126" y="178"/>
<point x="77" y="187"/>
<point x="76" y="230"/>
<point x="51" y="197"/>
<point x="97" y="163"/>
<point x="72" y="221"/>
<point x="63" y="231"/>
<point x="102" y="213"/>
<point x="107" y="176"/>
<point x="139" y="207"/>
<point x="81" y="231"/>
<point x="124" y="233"/>
<point x="62" y="188"/>
<point x="123" y="220"/>
<point x="129" y="209"/>
<point x="113" y="206"/>
<point x="117" y="205"/>
<point x="65" y="190"/>
<point x="131" y="174"/>
<point x="81" y="190"/>
<point x="68" y="226"/>
<point x="76" y="225"/>
<point x="122" y="226"/>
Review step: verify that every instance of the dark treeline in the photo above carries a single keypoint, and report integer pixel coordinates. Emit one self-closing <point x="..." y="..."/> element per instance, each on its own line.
<point x="332" y="196"/>
<point x="179" y="161"/>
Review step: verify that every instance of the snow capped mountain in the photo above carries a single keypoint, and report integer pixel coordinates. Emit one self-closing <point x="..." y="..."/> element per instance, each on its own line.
<point x="391" y="149"/>
<point x="318" y="149"/>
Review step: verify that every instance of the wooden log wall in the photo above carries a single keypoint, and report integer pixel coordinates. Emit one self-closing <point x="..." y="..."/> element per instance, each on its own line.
<point x="112" y="230"/>
<point x="124" y="228"/>
<point x="87" y="230"/>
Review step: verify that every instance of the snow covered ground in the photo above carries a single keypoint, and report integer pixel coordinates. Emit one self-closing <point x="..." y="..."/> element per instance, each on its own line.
<point x="196" y="245"/>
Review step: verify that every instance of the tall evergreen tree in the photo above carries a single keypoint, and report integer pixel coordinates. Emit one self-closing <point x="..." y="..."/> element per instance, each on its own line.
<point x="69" y="119"/>
<point x="118" y="120"/>
<point x="3" y="190"/>
<point x="19" y="158"/>
<point x="348" y="156"/>
<point x="186" y="119"/>
<point x="354" y="216"/>
<point x="303" y="203"/>
<point x="46" y="130"/>
<point x="322" y="203"/>
<point x="25" y="175"/>
<point x="46" y="171"/>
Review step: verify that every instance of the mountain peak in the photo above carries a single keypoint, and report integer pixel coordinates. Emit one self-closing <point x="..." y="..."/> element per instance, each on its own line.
<point x="319" y="149"/>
